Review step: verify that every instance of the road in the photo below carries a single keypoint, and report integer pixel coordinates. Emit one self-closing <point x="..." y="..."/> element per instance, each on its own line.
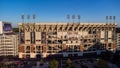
<point x="38" y="65"/>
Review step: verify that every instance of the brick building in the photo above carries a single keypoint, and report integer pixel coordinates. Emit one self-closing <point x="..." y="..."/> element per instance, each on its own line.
<point x="65" y="39"/>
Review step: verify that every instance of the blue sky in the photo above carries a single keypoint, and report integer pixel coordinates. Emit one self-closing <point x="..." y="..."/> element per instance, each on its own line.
<point x="56" y="10"/>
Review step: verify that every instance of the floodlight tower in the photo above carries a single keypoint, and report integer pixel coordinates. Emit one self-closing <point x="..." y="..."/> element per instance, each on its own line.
<point x="106" y="19"/>
<point x="73" y="17"/>
<point x="106" y="32"/>
<point x="114" y="18"/>
<point x="28" y="17"/>
<point x="114" y="31"/>
<point x="79" y="18"/>
<point x="22" y="17"/>
<point x="34" y="17"/>
<point x="68" y="17"/>
<point x="110" y="19"/>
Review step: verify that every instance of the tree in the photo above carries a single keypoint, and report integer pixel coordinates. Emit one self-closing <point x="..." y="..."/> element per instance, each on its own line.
<point x="15" y="30"/>
<point x="69" y="63"/>
<point x="41" y="62"/>
<point x="53" y="64"/>
<point x="102" y="64"/>
<point x="84" y="66"/>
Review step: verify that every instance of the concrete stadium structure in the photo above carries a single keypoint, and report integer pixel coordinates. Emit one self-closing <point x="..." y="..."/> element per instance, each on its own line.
<point x="65" y="39"/>
<point x="118" y="38"/>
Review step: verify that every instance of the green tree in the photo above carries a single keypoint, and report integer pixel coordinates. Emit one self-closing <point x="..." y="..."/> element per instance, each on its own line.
<point x="15" y="30"/>
<point x="53" y="64"/>
<point x="41" y="62"/>
<point x="4" y="66"/>
<point x="12" y="65"/>
<point x="102" y="64"/>
<point x="69" y="63"/>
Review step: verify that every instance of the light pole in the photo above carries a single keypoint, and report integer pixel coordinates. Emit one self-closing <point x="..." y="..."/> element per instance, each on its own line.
<point x="68" y="17"/>
<point x="79" y="18"/>
<point x="28" y="17"/>
<point x="73" y="17"/>
<point x="61" y="62"/>
<point x="34" y="17"/>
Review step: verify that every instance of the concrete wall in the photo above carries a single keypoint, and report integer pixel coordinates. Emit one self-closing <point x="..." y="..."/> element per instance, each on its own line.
<point x="1" y="27"/>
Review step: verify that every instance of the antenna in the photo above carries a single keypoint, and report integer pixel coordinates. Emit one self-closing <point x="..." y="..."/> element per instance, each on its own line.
<point x="22" y="17"/>
<point x="28" y="17"/>
<point x="34" y="17"/>
<point x="68" y="17"/>
<point x="79" y="18"/>
<point x="73" y="17"/>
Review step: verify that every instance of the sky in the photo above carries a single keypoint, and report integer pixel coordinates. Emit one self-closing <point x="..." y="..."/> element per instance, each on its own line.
<point x="56" y="10"/>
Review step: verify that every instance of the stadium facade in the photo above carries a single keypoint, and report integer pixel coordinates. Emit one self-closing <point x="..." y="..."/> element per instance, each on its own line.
<point x="65" y="39"/>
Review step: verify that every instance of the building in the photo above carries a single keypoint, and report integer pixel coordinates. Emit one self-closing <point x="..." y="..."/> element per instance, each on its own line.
<point x="118" y="38"/>
<point x="65" y="39"/>
<point x="8" y="40"/>
<point x="5" y="27"/>
<point x="8" y="44"/>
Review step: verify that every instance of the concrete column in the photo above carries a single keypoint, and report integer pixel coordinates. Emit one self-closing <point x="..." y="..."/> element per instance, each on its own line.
<point x="113" y="46"/>
<point x="32" y="48"/>
<point x="99" y="34"/>
<point x="23" y="56"/>
<point x="44" y="49"/>
<point x="21" y="49"/>
<point x="64" y="47"/>
<point x="81" y="47"/>
<point x="106" y="42"/>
